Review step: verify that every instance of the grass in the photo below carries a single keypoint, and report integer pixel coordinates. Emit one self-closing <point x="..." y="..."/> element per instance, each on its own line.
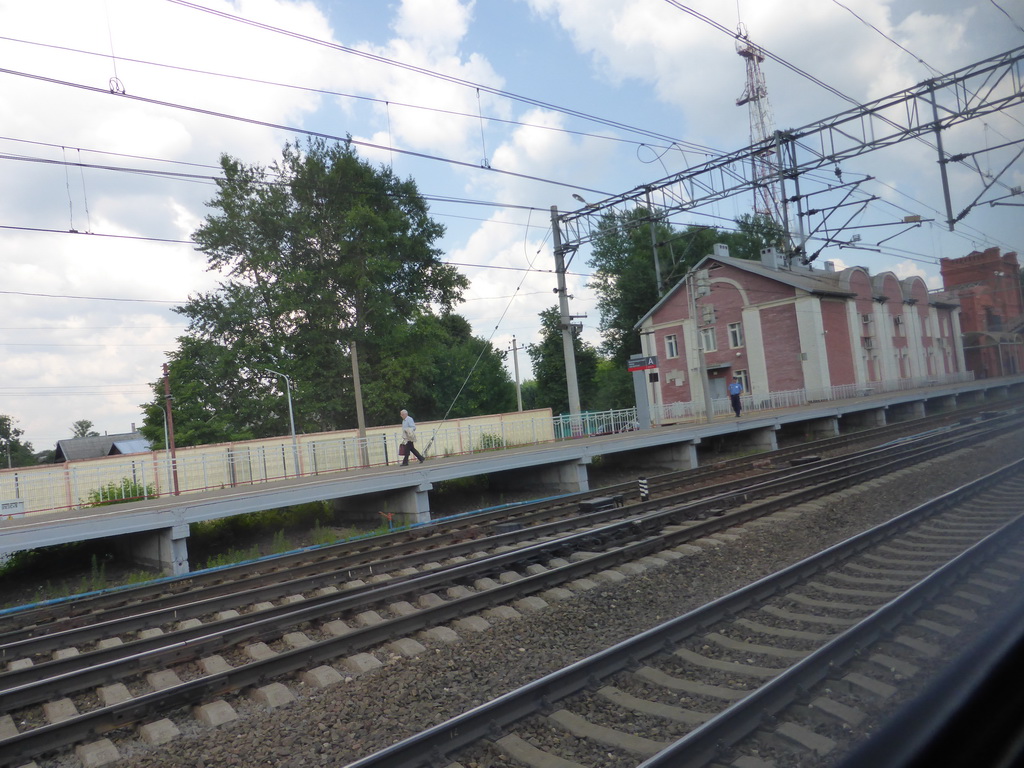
<point x="88" y="566"/>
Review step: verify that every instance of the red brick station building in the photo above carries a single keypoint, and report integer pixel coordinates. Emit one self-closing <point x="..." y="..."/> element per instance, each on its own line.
<point x="987" y="285"/>
<point x="793" y="334"/>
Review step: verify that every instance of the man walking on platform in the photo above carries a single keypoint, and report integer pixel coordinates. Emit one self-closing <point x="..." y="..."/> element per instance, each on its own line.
<point x="408" y="438"/>
<point x="735" y="390"/>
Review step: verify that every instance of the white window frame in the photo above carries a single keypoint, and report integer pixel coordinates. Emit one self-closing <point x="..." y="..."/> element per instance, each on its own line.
<point x="708" y="341"/>
<point x="671" y="346"/>
<point x="743" y="378"/>
<point x="736" y="335"/>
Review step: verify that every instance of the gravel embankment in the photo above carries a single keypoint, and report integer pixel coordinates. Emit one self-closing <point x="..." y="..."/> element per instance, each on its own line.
<point x="333" y="726"/>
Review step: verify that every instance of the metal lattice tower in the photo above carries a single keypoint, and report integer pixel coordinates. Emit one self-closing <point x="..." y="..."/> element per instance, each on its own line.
<point x="765" y="176"/>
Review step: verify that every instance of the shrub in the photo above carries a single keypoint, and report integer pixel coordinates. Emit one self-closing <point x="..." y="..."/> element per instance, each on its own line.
<point x="491" y="442"/>
<point x="119" y="493"/>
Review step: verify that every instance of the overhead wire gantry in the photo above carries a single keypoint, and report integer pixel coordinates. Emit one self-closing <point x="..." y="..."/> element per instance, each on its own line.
<point x="924" y="111"/>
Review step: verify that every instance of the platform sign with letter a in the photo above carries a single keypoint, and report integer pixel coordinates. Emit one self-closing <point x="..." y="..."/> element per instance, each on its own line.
<point x="642" y="363"/>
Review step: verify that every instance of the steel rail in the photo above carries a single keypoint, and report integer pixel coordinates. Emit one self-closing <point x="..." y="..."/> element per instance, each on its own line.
<point x="93" y="667"/>
<point x="706" y="742"/>
<point x="48" y="738"/>
<point x="433" y="746"/>
<point x="169" y="591"/>
<point x="767" y="484"/>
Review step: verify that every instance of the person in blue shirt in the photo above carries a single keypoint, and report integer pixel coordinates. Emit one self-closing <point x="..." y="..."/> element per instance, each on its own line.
<point x="735" y="390"/>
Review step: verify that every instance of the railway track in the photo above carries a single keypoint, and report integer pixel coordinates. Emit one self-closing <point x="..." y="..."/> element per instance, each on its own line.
<point x="300" y="572"/>
<point x="123" y="676"/>
<point x="783" y="672"/>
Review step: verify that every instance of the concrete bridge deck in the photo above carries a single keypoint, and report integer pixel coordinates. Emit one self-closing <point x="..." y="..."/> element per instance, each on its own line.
<point x="158" y="529"/>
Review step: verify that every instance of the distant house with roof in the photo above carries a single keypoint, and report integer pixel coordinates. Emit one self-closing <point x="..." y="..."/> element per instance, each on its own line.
<point x="778" y="328"/>
<point x="78" y="448"/>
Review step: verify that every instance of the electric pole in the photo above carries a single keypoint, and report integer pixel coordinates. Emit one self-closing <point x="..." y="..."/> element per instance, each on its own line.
<point x="170" y="427"/>
<point x="515" y="362"/>
<point x="565" y="320"/>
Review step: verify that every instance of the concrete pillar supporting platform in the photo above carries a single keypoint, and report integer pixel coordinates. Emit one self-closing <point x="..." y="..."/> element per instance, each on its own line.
<point x="971" y="397"/>
<point x="401" y="507"/>
<point x="164" y="548"/>
<point x="940" y="404"/>
<point x="906" y="411"/>
<point x="872" y="417"/>
<point x="549" y="479"/>
<point x="760" y="439"/>
<point x="996" y="394"/>
<point x="666" y="458"/>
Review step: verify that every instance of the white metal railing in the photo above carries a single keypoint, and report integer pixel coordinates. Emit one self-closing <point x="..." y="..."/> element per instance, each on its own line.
<point x="592" y="423"/>
<point x="203" y="468"/>
<point x="683" y="412"/>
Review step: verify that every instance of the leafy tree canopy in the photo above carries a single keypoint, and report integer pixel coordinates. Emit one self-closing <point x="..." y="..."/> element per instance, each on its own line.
<point x="14" y="452"/>
<point x="625" y="273"/>
<point x="549" y="385"/>
<point x="83" y="428"/>
<point x="321" y="254"/>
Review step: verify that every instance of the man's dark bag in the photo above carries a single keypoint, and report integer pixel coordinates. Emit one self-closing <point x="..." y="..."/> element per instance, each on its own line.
<point x="402" y="449"/>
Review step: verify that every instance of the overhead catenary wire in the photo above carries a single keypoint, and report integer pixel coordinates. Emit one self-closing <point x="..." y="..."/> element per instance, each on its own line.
<point x="392" y="149"/>
<point x="388" y="142"/>
<point x="797" y="70"/>
<point x="301" y="131"/>
<point x="422" y="70"/>
<point x="1007" y="15"/>
<point x="388" y="103"/>
<point x="483" y="348"/>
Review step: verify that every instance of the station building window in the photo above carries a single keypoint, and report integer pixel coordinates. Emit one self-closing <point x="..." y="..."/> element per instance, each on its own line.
<point x="671" y="346"/>
<point x="735" y="335"/>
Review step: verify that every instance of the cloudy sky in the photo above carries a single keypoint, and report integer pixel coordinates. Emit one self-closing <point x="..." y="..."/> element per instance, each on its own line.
<point x="114" y="113"/>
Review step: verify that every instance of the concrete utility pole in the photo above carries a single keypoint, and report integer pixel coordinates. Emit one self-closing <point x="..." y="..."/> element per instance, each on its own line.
<point x="702" y="368"/>
<point x="515" y="362"/>
<point x="170" y="427"/>
<point x="360" y="416"/>
<point x="565" y="319"/>
<point x="654" y="244"/>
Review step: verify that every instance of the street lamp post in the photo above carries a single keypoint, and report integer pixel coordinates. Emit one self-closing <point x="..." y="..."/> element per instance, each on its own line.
<point x="291" y="416"/>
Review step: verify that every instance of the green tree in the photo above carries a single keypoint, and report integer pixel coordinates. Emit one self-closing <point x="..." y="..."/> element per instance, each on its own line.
<point x="83" y="428"/>
<point x="452" y="370"/>
<point x="754" y="232"/>
<point x="470" y="378"/>
<point x="528" y="391"/>
<point x="214" y="399"/>
<point x="14" y="452"/>
<point x="614" y="388"/>
<point x="549" y="366"/>
<point x="626" y="281"/>
<point x="625" y="278"/>
<point x="319" y="251"/>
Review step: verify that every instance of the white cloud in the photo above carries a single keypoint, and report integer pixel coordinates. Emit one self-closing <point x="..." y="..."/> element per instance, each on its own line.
<point x="640" y="63"/>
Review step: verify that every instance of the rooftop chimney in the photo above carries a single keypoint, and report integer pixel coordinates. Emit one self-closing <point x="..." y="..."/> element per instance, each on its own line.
<point x="770" y="258"/>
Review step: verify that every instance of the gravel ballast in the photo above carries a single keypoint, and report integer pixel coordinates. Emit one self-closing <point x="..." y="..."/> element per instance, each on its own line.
<point x="363" y="713"/>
